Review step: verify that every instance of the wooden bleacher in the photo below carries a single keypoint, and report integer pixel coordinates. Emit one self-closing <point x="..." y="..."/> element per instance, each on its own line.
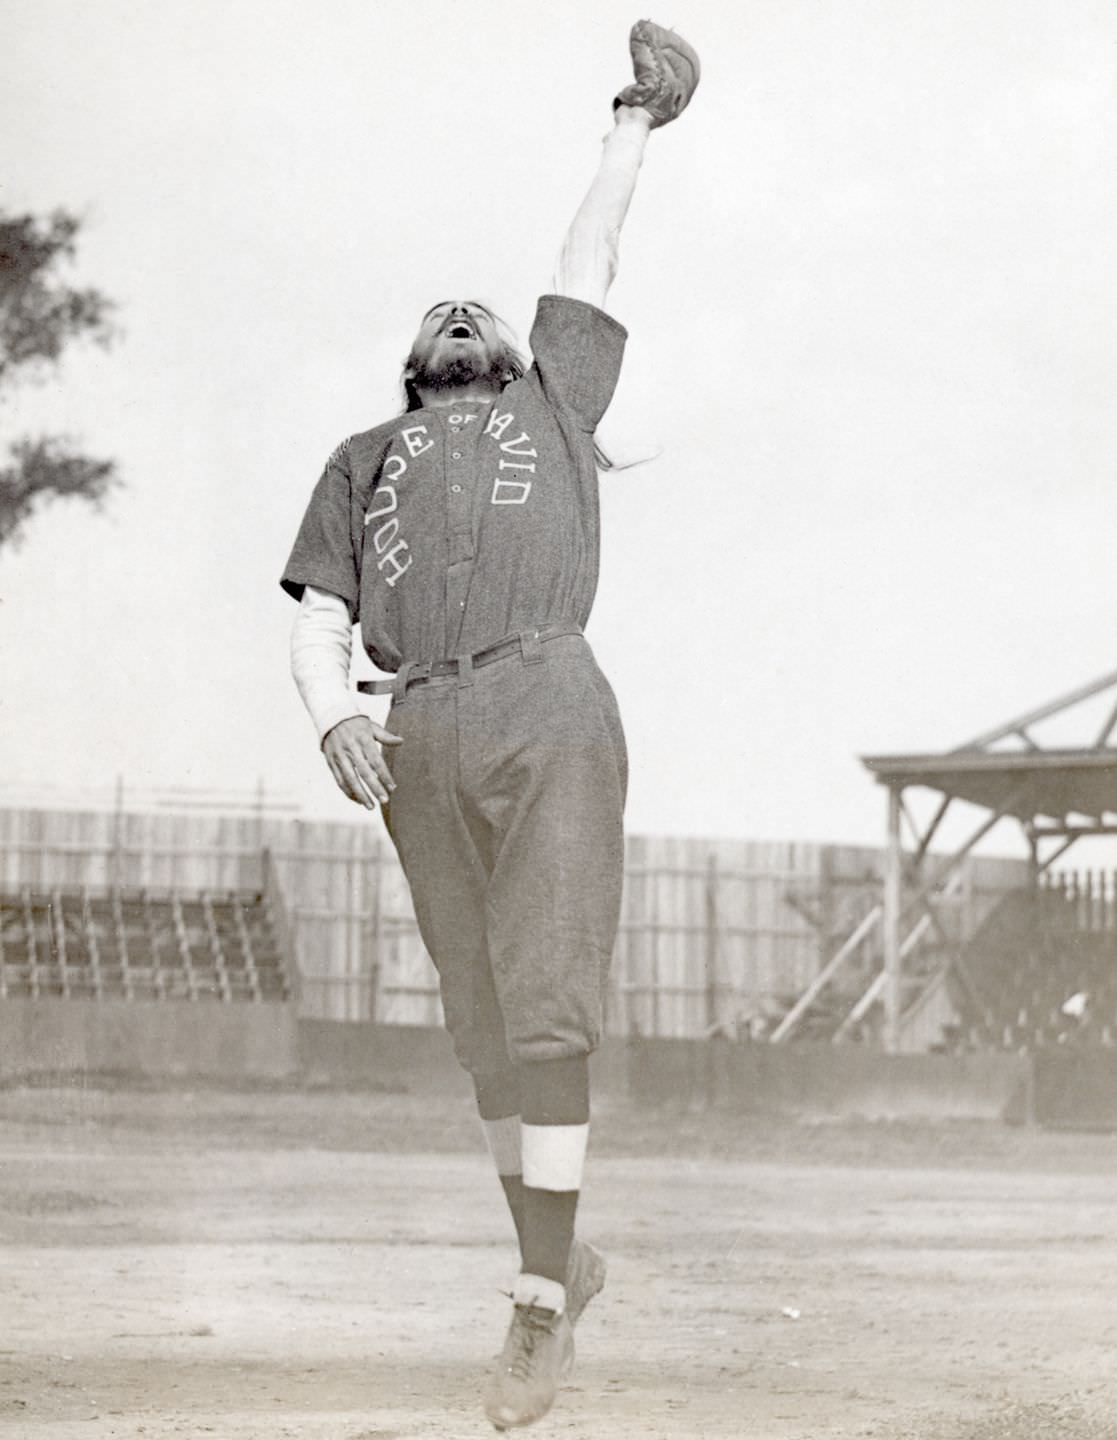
<point x="138" y="944"/>
<point x="1035" y="952"/>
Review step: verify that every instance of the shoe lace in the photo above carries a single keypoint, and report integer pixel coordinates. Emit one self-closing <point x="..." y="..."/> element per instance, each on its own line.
<point x="532" y="1325"/>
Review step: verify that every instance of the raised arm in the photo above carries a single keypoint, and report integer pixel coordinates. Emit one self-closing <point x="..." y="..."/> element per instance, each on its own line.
<point x="667" y="71"/>
<point x="587" y="262"/>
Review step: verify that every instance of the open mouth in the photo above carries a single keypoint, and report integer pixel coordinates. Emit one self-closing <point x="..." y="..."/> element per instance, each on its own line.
<point x="460" y="330"/>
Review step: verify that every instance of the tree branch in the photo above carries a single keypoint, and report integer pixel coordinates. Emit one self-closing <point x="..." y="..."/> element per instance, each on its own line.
<point x="44" y="470"/>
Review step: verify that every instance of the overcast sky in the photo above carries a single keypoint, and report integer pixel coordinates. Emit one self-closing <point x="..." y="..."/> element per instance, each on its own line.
<point x="869" y="284"/>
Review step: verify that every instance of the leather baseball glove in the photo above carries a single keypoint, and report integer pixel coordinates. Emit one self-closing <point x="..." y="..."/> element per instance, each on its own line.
<point x="667" y="72"/>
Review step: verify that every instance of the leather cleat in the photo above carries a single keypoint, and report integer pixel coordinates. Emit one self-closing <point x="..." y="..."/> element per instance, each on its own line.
<point x="585" y="1278"/>
<point x="538" y="1351"/>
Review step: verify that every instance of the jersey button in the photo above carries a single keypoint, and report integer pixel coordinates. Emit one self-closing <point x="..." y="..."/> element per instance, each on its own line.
<point x="457" y="489"/>
<point x="456" y="454"/>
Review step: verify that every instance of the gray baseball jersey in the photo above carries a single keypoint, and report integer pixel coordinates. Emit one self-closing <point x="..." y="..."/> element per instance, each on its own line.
<point x="446" y="530"/>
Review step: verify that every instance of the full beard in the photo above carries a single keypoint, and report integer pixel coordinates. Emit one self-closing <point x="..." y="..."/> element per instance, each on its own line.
<point x="458" y="371"/>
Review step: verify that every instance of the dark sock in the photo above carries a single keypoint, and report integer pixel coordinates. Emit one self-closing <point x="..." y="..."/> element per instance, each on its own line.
<point x="555" y="1092"/>
<point x="552" y="1093"/>
<point x="514" y="1194"/>
<point x="498" y="1098"/>
<point x="498" y="1093"/>
<point x="548" y="1232"/>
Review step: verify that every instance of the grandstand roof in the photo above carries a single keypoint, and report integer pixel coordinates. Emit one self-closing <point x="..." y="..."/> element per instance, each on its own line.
<point x="1051" y="783"/>
<point x="1060" y="792"/>
<point x="1011" y="772"/>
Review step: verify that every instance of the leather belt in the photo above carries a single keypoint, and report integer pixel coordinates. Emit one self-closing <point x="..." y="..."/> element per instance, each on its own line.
<point x="525" y="643"/>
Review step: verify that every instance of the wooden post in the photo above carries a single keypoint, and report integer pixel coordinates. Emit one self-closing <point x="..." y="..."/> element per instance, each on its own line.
<point x="713" y="988"/>
<point x="655" y="977"/>
<point x="376" y="932"/>
<point x="357" y="1006"/>
<point x="620" y="978"/>
<point x="116" y="862"/>
<point x="293" y="926"/>
<point x="893" y="900"/>
<point x="828" y="906"/>
<point x="258" y="842"/>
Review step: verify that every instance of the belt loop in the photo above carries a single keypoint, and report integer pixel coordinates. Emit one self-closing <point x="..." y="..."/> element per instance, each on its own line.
<point x="530" y="647"/>
<point x="465" y="671"/>
<point x="399" y="684"/>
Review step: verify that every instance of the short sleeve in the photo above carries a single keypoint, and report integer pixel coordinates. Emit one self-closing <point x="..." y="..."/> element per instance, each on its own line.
<point x="323" y="553"/>
<point x="577" y="350"/>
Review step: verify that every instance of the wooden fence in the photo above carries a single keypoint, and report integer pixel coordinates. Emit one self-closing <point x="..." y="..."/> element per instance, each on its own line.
<point x="1082" y="901"/>
<point x="714" y="934"/>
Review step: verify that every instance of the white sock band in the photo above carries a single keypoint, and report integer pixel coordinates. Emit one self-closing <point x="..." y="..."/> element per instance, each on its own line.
<point x="503" y="1137"/>
<point x="538" y="1290"/>
<point x="554" y="1156"/>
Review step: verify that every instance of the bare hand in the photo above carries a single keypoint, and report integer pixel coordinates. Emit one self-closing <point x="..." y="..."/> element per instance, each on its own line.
<point x="352" y="751"/>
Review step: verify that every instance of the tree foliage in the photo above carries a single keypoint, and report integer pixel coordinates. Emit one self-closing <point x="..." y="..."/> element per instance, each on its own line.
<point x="40" y="314"/>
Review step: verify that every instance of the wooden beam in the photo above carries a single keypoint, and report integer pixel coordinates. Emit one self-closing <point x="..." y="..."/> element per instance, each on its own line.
<point x="893" y="899"/>
<point x="923" y="899"/>
<point x="892" y="913"/>
<point x="824" y="976"/>
<point x="1107" y="729"/>
<point x="1016" y="727"/>
<point x="906" y="817"/>
<point x="876" y="984"/>
<point x="936" y="820"/>
<point x="945" y="870"/>
<point x="713" y="978"/>
<point x="1076" y="832"/>
<point x="861" y="1009"/>
<point x="1056" y="854"/>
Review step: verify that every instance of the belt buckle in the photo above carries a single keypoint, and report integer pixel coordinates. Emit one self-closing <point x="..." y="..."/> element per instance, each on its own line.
<point x="419" y="672"/>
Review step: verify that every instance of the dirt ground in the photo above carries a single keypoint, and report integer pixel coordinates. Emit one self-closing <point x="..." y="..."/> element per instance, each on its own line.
<point x="285" y="1263"/>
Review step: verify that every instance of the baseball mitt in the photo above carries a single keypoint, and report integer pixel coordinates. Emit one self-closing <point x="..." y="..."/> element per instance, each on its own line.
<point x="667" y="72"/>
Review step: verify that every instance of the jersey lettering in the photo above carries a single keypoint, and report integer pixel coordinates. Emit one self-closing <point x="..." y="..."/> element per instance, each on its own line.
<point x="509" y="446"/>
<point x="385" y="502"/>
<point x="399" y="567"/>
<point x="384" y="507"/>
<point x="383" y="537"/>
<point x="412" y="438"/>
<point x="498" y="424"/>
<point x="510" y="492"/>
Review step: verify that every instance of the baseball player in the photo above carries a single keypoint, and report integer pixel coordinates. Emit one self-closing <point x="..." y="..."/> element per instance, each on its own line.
<point x="462" y="535"/>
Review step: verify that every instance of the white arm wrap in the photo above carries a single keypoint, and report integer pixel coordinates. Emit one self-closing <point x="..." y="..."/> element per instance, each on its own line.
<point x="321" y="645"/>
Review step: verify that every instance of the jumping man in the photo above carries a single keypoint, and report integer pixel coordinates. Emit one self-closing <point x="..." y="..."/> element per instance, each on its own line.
<point x="463" y="537"/>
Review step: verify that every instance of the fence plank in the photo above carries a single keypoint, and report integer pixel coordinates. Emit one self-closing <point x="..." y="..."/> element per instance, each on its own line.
<point x="692" y="950"/>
